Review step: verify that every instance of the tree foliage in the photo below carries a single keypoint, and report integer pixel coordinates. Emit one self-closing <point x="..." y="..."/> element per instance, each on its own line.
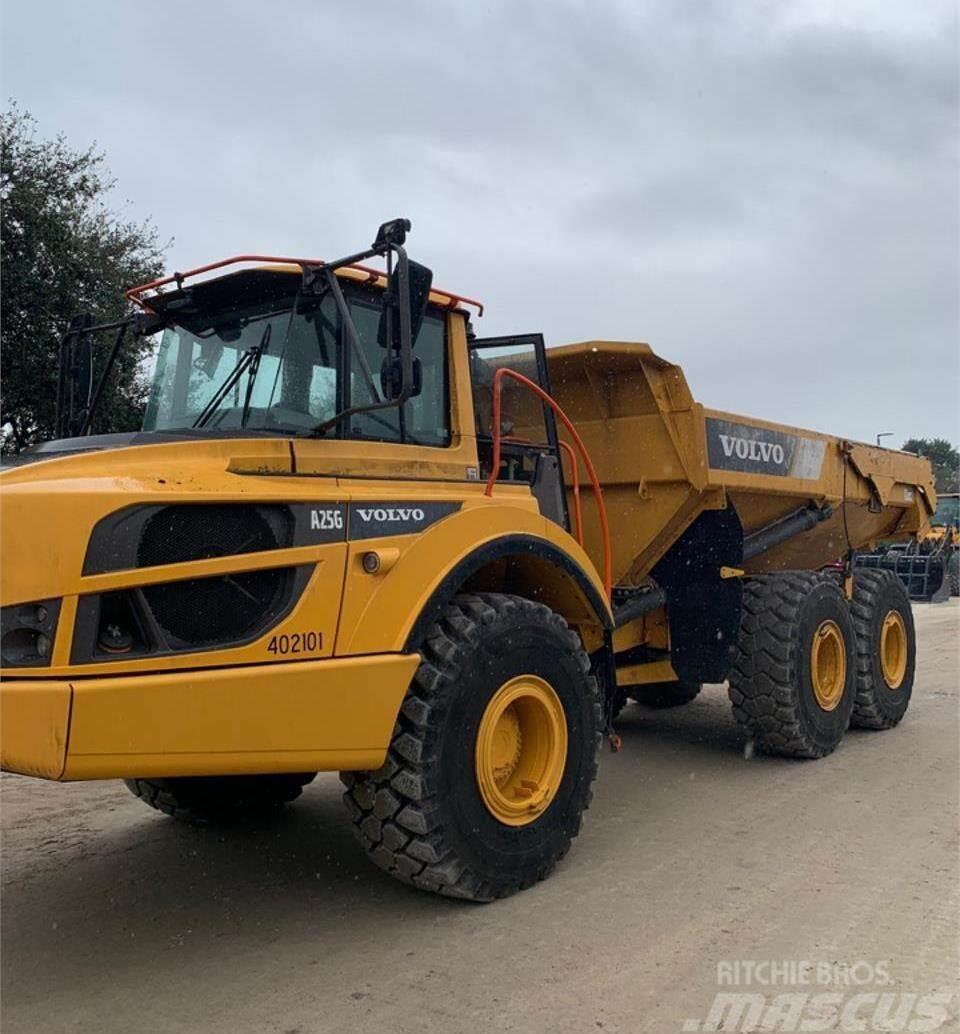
<point x="944" y="458"/>
<point x="63" y="251"/>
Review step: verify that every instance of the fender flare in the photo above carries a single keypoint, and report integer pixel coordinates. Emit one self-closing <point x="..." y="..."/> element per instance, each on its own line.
<point x="506" y="546"/>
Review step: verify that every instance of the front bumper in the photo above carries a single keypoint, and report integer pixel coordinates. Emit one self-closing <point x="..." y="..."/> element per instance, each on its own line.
<point x="305" y="716"/>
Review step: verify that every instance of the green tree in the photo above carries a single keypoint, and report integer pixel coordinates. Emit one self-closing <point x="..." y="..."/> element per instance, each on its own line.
<point x="944" y="458"/>
<point x="63" y="251"/>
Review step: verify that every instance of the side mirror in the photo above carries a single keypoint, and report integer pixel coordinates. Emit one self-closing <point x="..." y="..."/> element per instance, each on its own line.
<point x="411" y="279"/>
<point x="391" y="378"/>
<point x="211" y="352"/>
<point x="75" y="381"/>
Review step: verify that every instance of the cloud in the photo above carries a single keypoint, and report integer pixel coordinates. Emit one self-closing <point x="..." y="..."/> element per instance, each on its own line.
<point x="764" y="191"/>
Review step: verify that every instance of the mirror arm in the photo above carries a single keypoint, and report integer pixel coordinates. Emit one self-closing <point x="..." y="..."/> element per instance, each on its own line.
<point x="406" y="345"/>
<point x="81" y="329"/>
<point x="386" y="246"/>
<point x="352" y="336"/>
<point x="86" y="426"/>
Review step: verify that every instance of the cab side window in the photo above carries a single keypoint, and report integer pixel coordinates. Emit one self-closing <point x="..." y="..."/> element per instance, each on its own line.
<point x="524" y="428"/>
<point x="425" y="417"/>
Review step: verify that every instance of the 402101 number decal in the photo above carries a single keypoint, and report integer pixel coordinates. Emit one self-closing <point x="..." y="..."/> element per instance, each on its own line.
<point x="295" y="642"/>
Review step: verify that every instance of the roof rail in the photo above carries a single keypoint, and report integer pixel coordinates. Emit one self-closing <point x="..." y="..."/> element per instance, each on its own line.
<point x="136" y="294"/>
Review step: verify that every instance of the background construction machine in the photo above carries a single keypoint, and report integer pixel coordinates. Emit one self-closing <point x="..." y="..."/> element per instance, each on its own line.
<point x="352" y="536"/>
<point x="927" y="564"/>
<point x="946" y="525"/>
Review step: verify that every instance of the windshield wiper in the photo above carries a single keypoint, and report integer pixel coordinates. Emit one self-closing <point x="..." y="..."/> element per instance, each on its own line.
<point x="255" y="369"/>
<point x="250" y="358"/>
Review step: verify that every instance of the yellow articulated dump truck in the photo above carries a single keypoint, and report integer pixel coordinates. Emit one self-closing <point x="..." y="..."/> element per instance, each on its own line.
<point x="353" y="536"/>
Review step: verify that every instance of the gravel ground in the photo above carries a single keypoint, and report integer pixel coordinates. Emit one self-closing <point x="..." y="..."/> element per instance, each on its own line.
<point x="115" y="918"/>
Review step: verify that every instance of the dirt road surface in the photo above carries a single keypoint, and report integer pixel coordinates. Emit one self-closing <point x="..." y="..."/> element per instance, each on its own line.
<point x="117" y="919"/>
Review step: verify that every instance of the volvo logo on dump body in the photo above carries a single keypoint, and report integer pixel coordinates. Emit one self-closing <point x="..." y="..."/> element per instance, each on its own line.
<point x="762" y="450"/>
<point x="752" y="449"/>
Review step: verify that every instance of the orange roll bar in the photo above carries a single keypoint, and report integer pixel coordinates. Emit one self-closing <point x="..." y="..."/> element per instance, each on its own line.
<point x="135" y="294"/>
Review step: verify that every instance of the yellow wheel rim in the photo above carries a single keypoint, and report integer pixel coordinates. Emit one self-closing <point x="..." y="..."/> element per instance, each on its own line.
<point x="521" y="750"/>
<point x="828" y="665"/>
<point x="893" y="649"/>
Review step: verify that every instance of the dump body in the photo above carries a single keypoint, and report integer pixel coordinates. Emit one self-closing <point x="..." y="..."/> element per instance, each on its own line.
<point x="663" y="459"/>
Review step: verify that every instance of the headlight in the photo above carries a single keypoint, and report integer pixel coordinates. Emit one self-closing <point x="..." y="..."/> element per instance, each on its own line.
<point x="27" y="632"/>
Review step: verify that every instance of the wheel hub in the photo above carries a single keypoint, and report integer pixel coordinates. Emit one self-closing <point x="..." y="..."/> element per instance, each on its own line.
<point x="893" y="649"/>
<point x="507" y="746"/>
<point x="828" y="665"/>
<point x="521" y="750"/>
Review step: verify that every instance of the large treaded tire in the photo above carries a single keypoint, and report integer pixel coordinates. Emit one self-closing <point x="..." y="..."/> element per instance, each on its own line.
<point x="875" y="594"/>
<point x="421" y="817"/>
<point x="664" y="694"/>
<point x="770" y="683"/>
<point x="220" y="800"/>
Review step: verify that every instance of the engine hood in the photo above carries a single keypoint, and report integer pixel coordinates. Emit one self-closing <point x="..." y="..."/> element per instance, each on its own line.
<point x="60" y="447"/>
<point x="50" y="504"/>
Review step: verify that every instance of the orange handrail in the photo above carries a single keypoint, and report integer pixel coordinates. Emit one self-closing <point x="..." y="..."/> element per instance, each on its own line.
<point x="134" y="294"/>
<point x="581" y="448"/>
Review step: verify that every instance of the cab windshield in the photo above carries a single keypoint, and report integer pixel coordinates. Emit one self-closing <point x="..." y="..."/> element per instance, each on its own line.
<point x="306" y="372"/>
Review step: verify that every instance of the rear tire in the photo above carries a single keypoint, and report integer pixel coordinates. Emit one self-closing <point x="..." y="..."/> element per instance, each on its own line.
<point x="792" y="684"/>
<point x="664" y="694"/>
<point x="426" y="816"/>
<point x="220" y="800"/>
<point x="886" y="656"/>
<point x="953" y="573"/>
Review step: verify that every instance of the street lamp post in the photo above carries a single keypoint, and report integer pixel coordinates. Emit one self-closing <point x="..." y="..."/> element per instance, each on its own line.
<point x="884" y="434"/>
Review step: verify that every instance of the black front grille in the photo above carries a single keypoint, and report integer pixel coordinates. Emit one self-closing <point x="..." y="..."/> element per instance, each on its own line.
<point x="146" y="536"/>
<point x="225" y="609"/>
<point x="189" y="613"/>
<point x="178" y="534"/>
<point x="185" y="616"/>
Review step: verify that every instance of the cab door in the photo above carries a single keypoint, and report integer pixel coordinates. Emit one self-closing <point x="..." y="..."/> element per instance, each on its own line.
<point x="529" y="451"/>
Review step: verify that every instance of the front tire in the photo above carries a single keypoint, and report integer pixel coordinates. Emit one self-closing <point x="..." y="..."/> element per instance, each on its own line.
<point x="886" y="649"/>
<point x="792" y="684"/>
<point x="220" y="800"/>
<point x="493" y="755"/>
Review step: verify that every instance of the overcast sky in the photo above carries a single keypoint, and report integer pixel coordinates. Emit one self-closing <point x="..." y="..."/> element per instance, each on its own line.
<point x="765" y="192"/>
